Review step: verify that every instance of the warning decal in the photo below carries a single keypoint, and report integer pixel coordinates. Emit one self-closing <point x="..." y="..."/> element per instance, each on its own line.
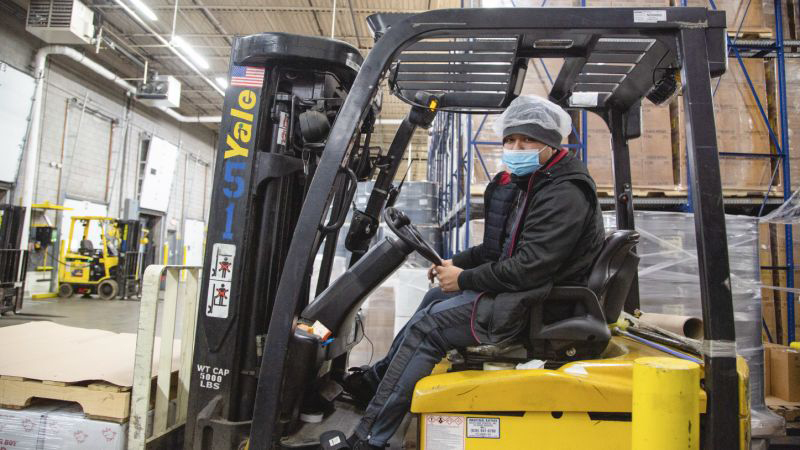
<point x="219" y="284"/>
<point x="649" y="15"/>
<point x="483" y="427"/>
<point x="444" y="432"/>
<point x="283" y="128"/>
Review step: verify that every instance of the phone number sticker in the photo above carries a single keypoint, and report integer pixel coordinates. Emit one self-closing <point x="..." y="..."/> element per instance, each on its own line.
<point x="483" y="428"/>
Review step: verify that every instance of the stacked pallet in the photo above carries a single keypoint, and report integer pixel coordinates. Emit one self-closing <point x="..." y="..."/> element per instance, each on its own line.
<point x="99" y="400"/>
<point x="772" y="259"/>
<point x="740" y="129"/>
<point x="793" y="108"/>
<point x="89" y="367"/>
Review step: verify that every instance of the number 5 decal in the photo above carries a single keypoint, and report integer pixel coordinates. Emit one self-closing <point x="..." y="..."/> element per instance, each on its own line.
<point x="230" y="167"/>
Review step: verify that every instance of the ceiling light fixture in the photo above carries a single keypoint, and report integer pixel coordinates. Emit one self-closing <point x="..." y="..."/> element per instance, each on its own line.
<point x="191" y="53"/>
<point x="132" y="14"/>
<point x="144" y="9"/>
<point x="222" y="82"/>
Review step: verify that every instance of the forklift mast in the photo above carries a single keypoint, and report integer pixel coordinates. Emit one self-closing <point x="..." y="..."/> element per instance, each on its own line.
<point x="284" y="92"/>
<point x="13" y="261"/>
<point x="129" y="270"/>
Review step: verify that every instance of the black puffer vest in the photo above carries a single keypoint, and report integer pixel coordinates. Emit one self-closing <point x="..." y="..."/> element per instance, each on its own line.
<point x="498" y="200"/>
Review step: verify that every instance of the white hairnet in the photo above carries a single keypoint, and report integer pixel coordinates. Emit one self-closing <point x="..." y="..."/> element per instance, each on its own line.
<point x="531" y="109"/>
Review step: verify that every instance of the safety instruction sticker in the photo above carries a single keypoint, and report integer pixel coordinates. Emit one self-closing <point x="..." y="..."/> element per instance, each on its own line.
<point x="586" y="99"/>
<point x="483" y="427"/>
<point x="283" y="128"/>
<point x="444" y="432"/>
<point x="352" y="64"/>
<point x="219" y="283"/>
<point x="649" y="15"/>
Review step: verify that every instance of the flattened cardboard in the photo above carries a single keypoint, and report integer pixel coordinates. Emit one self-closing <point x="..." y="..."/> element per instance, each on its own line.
<point x="53" y="352"/>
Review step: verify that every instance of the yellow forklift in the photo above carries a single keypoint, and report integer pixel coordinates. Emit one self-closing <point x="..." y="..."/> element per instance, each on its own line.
<point x="110" y="271"/>
<point x="291" y="152"/>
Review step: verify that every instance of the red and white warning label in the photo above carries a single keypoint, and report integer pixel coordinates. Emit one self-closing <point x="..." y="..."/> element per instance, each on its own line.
<point x="219" y="284"/>
<point x="444" y="433"/>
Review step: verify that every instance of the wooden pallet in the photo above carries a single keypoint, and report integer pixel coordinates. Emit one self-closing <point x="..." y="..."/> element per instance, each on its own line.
<point x="646" y="192"/>
<point x="788" y="410"/>
<point x="775" y="192"/>
<point x="751" y="33"/>
<point x="99" y="400"/>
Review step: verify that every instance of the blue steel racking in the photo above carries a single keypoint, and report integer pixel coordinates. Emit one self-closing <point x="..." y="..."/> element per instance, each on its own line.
<point x="453" y="146"/>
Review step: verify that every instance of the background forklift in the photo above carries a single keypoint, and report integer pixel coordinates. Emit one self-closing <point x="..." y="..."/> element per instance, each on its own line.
<point x="112" y="270"/>
<point x="13" y="261"/>
<point x="285" y="179"/>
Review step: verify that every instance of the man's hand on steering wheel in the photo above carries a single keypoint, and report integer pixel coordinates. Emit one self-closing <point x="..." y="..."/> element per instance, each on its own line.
<point x="444" y="270"/>
<point x="432" y="269"/>
<point x="448" y="276"/>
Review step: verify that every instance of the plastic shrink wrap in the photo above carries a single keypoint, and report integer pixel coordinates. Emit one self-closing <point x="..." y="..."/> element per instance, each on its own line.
<point x="669" y="283"/>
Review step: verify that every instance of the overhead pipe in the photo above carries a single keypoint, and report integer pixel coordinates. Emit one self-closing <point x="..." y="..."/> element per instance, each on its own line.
<point x="191" y="119"/>
<point x="32" y="144"/>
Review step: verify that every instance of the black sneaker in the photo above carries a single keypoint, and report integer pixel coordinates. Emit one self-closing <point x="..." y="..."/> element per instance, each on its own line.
<point x="360" y="384"/>
<point x="334" y="440"/>
<point x="365" y="445"/>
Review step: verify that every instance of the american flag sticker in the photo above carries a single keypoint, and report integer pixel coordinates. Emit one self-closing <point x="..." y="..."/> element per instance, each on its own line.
<point x="247" y="76"/>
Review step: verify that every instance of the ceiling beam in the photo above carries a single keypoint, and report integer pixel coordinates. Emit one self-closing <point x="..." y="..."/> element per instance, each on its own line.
<point x="268" y="8"/>
<point x="211" y="19"/>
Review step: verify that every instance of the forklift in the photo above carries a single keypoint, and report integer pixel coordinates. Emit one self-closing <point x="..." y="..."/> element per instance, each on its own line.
<point x="13" y="261"/>
<point x="285" y="179"/>
<point x="111" y="271"/>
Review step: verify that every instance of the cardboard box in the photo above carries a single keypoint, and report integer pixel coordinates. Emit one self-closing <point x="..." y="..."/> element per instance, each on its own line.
<point x="768" y="368"/>
<point x="51" y="424"/>
<point x="785" y="373"/>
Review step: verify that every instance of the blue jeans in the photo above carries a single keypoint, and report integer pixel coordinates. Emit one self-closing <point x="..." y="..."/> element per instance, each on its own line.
<point x="441" y="323"/>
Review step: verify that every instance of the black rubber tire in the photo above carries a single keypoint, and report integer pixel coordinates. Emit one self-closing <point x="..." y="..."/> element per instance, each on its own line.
<point x="65" y="290"/>
<point x="107" y="289"/>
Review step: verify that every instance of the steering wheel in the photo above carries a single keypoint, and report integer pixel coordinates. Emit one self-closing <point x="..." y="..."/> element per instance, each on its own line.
<point x="401" y="226"/>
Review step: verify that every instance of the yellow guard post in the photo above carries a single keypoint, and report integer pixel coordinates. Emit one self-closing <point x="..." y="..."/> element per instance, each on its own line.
<point x="666" y="410"/>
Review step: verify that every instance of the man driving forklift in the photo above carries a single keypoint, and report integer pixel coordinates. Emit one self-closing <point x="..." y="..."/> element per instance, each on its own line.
<point x="543" y="227"/>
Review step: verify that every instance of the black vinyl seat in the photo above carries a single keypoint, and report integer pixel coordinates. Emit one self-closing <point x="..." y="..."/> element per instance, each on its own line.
<point x="86" y="248"/>
<point x="584" y="333"/>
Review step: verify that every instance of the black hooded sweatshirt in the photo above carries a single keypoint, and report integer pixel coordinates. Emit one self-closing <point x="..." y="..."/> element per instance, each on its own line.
<point x="557" y="234"/>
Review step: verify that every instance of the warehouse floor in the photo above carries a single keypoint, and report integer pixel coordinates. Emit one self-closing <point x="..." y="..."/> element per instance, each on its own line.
<point x="120" y="316"/>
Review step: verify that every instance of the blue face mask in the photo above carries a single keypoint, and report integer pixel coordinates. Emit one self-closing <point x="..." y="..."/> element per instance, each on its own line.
<point x="522" y="162"/>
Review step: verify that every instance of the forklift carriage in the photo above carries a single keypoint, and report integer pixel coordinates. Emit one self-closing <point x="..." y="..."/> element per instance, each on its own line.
<point x="13" y="261"/>
<point x="285" y="179"/>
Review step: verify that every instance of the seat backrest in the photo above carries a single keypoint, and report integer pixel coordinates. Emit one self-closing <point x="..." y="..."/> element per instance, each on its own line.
<point x="86" y="246"/>
<point x="613" y="272"/>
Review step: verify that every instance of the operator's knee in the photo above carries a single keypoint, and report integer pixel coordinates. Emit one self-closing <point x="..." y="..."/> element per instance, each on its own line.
<point x="425" y="326"/>
<point x="433" y="295"/>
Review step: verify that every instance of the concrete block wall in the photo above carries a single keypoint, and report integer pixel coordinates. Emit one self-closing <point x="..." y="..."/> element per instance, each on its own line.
<point x="84" y="154"/>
